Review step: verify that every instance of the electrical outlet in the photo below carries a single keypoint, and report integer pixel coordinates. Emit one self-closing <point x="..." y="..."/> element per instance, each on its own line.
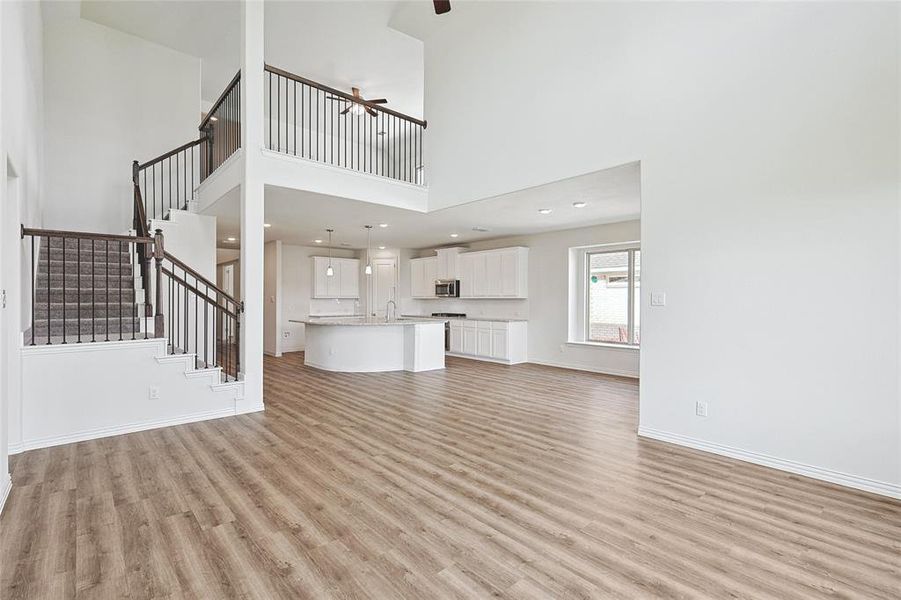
<point x="154" y="392"/>
<point x="701" y="408"/>
<point x="286" y="334"/>
<point x="658" y="298"/>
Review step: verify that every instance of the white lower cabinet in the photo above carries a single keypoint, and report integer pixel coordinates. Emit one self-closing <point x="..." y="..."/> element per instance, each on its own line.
<point x="456" y="339"/>
<point x="501" y="341"/>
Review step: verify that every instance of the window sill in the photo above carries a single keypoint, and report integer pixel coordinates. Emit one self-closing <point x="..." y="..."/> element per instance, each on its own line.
<point x="604" y="345"/>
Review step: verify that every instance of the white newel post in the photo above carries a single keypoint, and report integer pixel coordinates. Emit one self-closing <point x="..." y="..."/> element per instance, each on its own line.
<point x="252" y="199"/>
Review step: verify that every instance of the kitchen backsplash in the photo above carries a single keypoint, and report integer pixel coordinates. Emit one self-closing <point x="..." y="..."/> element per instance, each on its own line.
<point x="501" y="309"/>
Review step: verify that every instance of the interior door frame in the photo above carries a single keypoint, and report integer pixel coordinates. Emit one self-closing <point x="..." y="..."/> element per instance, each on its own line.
<point x="371" y="287"/>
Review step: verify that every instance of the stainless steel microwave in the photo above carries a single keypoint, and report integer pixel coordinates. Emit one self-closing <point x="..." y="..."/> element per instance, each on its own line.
<point x="447" y="288"/>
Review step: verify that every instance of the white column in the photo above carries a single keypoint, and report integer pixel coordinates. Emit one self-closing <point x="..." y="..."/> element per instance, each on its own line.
<point x="252" y="199"/>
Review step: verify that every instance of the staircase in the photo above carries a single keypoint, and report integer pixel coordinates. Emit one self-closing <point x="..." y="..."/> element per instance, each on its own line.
<point x="86" y="291"/>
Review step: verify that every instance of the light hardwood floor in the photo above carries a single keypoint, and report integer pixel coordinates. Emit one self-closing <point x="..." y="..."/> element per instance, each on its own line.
<point x="482" y="480"/>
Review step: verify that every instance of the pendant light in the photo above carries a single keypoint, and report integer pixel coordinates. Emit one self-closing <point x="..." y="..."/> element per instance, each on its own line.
<point x="368" y="269"/>
<point x="329" y="271"/>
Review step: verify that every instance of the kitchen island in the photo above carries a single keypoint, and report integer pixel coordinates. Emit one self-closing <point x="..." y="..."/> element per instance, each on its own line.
<point x="368" y="344"/>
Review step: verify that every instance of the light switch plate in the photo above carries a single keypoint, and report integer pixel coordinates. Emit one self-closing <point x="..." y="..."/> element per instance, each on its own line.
<point x="658" y="298"/>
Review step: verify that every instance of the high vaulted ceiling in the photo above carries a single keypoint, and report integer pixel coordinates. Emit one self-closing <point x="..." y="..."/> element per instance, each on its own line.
<point x="341" y="44"/>
<point x="297" y="217"/>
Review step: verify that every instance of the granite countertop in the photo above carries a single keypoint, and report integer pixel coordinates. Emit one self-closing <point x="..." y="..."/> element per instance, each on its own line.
<point x="497" y="319"/>
<point x="363" y="321"/>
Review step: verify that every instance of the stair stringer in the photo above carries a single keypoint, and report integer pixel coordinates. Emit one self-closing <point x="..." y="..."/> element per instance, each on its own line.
<point x="78" y="392"/>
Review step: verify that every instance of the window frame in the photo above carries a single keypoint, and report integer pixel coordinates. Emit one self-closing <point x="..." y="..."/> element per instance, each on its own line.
<point x="630" y="296"/>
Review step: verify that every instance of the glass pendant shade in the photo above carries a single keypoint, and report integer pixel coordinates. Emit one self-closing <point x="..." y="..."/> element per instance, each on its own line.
<point x="329" y="271"/>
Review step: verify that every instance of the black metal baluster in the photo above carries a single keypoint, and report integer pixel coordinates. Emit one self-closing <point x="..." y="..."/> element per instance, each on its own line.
<point x="185" y="349"/>
<point x="196" y="345"/>
<point x="63" y="240"/>
<point x="119" y="281"/>
<point x="93" y="291"/>
<point x="78" y="285"/>
<point x="294" y="91"/>
<point x="49" y="249"/>
<point x="310" y="120"/>
<point x="206" y="335"/>
<point x="270" y="111"/>
<point x="317" y="124"/>
<point x="33" y="293"/>
<point x="106" y="296"/>
<point x="278" y="108"/>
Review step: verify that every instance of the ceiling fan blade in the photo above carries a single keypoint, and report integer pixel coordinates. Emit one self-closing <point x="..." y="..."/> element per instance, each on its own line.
<point x="441" y="6"/>
<point x="378" y="101"/>
<point x="371" y="112"/>
<point x="337" y="98"/>
<point x="356" y="92"/>
<point x="345" y="111"/>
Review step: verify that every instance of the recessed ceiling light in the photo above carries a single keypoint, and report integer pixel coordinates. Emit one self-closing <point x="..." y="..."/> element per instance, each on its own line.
<point x="381" y="247"/>
<point x="230" y="239"/>
<point x="453" y="235"/>
<point x="544" y="211"/>
<point x="580" y="204"/>
<point x="214" y="119"/>
<point x="267" y="224"/>
<point x="317" y="241"/>
<point x="383" y="225"/>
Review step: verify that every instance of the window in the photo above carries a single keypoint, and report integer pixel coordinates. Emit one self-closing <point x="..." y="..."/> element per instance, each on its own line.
<point x="612" y="292"/>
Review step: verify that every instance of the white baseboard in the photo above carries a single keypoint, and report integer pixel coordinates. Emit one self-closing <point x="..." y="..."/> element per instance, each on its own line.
<point x="882" y="488"/>
<point x="499" y="361"/>
<point x="102" y="432"/>
<point x="559" y="365"/>
<point x="7" y="485"/>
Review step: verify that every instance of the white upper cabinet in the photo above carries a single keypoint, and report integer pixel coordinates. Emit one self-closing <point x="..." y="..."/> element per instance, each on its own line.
<point x="345" y="283"/>
<point x="501" y="273"/>
<point x="447" y="263"/>
<point x="423" y="273"/>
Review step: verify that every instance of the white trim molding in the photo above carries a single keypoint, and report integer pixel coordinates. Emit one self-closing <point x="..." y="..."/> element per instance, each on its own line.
<point x="4" y="492"/>
<point x="599" y="371"/>
<point x="883" y="488"/>
<point x="102" y="432"/>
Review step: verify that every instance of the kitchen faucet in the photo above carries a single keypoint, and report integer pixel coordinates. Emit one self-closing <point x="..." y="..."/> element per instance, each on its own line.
<point x="387" y="314"/>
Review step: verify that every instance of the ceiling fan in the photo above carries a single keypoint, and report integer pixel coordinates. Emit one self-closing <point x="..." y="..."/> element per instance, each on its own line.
<point x="441" y="6"/>
<point x="359" y="104"/>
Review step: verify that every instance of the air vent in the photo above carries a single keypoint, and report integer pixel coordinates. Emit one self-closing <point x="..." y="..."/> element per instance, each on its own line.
<point x="480" y="229"/>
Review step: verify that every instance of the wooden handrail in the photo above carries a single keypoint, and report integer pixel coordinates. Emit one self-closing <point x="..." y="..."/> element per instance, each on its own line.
<point x="161" y="157"/>
<point x="345" y="95"/>
<point x="198" y="293"/>
<point x="140" y="215"/>
<point x="84" y="235"/>
<point x="205" y="281"/>
<point x="220" y="100"/>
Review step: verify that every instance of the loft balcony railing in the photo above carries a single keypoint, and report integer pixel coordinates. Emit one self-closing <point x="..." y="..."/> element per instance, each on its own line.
<point x="302" y="121"/>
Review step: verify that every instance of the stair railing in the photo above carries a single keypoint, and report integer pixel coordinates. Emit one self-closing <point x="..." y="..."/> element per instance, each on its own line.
<point x="310" y="120"/>
<point x="196" y="315"/>
<point x="83" y="290"/>
<point x="82" y="287"/>
<point x="169" y="181"/>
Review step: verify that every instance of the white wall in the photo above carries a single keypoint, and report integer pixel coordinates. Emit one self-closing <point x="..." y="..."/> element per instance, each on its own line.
<point x="103" y="389"/>
<point x="768" y="139"/>
<point x="547" y="306"/>
<point x="272" y="298"/>
<point x="21" y="147"/>
<point x="297" y="291"/>
<point x="109" y="98"/>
